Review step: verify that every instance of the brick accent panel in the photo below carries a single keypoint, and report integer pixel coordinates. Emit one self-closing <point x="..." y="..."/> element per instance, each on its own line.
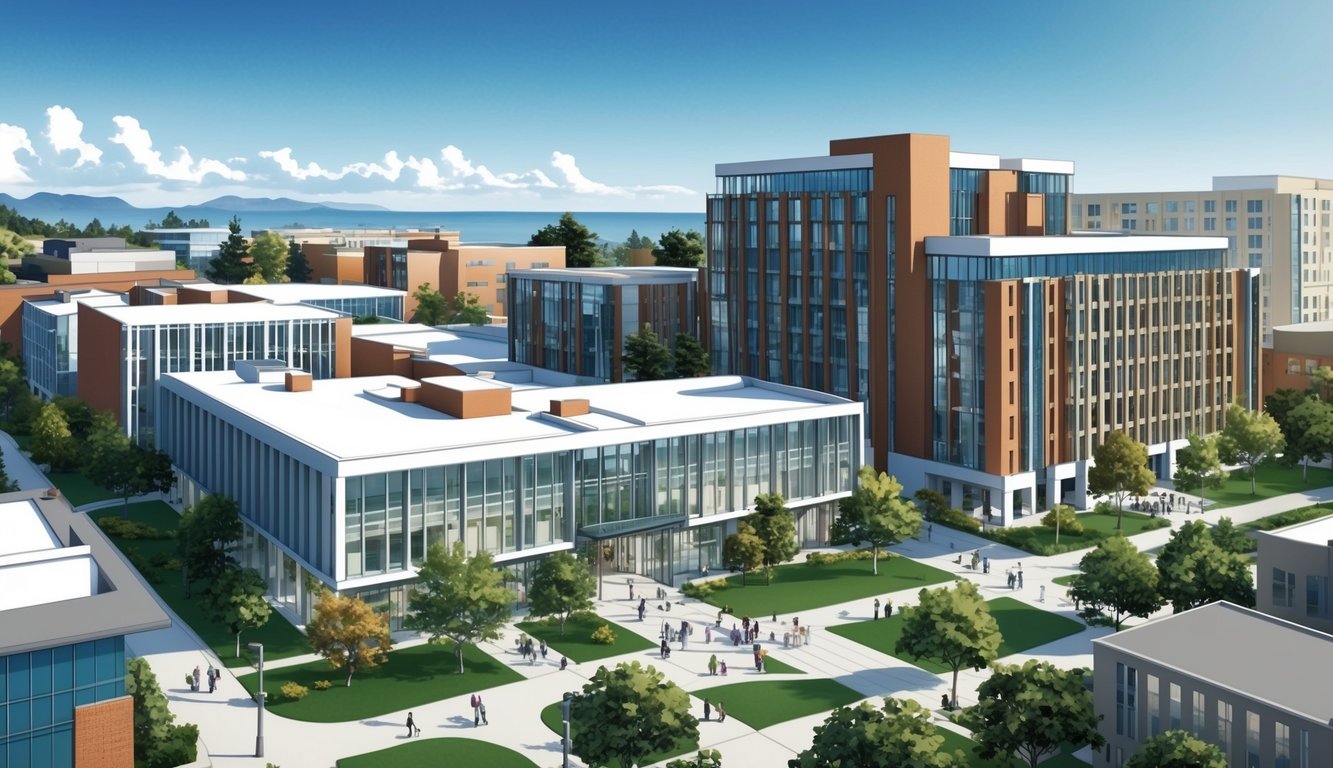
<point x="104" y="734"/>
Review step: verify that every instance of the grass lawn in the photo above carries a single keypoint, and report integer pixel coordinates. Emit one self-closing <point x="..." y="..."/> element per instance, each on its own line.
<point x="577" y="642"/>
<point x="1021" y="627"/>
<point x="800" y="587"/>
<point x="551" y="718"/>
<point x="777" y="666"/>
<point x="1040" y="540"/>
<point x="1065" y="581"/>
<point x="410" y="678"/>
<point x="1273" y="480"/>
<point x="281" y="640"/>
<point x="1291" y="517"/>
<point x="954" y="740"/>
<point x="769" y="702"/>
<point x="431" y="753"/>
<point x="78" y="488"/>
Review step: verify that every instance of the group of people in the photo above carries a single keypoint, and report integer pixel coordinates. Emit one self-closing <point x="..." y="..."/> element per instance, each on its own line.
<point x="529" y="652"/>
<point x="708" y="708"/>
<point x="714" y="665"/>
<point x="213" y="676"/>
<point x="1015" y="577"/>
<point x="748" y="632"/>
<point x="888" y="608"/>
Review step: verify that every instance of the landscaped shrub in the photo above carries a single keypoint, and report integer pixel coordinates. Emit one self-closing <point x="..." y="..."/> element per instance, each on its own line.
<point x="293" y="691"/>
<point x="1290" y="517"/>
<point x="700" y="590"/>
<point x="322" y="685"/>
<point x="123" y="528"/>
<point x="603" y="635"/>
<point x="955" y="518"/>
<point x="1067" y="519"/>
<point x="829" y="558"/>
<point x="141" y="564"/>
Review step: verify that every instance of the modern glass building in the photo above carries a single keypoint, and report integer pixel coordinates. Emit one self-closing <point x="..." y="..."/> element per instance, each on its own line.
<point x="195" y="247"/>
<point x="657" y="472"/>
<point x="351" y="300"/>
<point x="51" y="339"/>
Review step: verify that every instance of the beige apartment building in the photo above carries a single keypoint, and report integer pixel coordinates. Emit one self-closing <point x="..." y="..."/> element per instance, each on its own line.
<point x="1280" y="224"/>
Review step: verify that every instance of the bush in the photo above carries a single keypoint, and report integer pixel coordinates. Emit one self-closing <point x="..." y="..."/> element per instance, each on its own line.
<point x="142" y="565"/>
<point x="829" y="558"/>
<point x="1105" y="508"/>
<point x="122" y="528"/>
<point x="955" y="518"/>
<point x="322" y="685"/>
<point x="293" y="691"/>
<point x="1069" y="522"/>
<point x="1290" y="517"/>
<point x="701" y="590"/>
<point x="603" y="635"/>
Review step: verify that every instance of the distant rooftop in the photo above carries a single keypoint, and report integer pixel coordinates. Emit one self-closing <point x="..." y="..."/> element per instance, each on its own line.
<point x="1318" y="532"/>
<point x="69" y="304"/>
<point x="152" y="314"/>
<point x="1271" y="183"/>
<point x="1218" y="643"/>
<point x="288" y="293"/>
<point x="636" y="275"/>
<point x="866" y="160"/>
<point x="1052" y="245"/>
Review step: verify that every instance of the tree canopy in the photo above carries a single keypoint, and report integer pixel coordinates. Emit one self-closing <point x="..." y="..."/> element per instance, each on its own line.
<point x="1199" y="466"/>
<point x="236" y="598"/>
<point x="645" y="357"/>
<point x="680" y="249"/>
<point x="268" y="254"/>
<point x="690" y="358"/>
<point x="562" y="585"/>
<point x="952" y="626"/>
<point x="298" y="267"/>
<point x="52" y="442"/>
<point x="900" y="733"/>
<point x="1117" y="576"/>
<point x="431" y="306"/>
<point x="465" y="309"/>
<point x="206" y="536"/>
<point x="348" y="632"/>
<point x="1120" y="467"/>
<point x="1177" y="749"/>
<point x="580" y="244"/>
<point x="458" y="599"/>
<point x="232" y="264"/>
<point x="158" y="741"/>
<point x="122" y="467"/>
<point x="876" y="513"/>
<point x="774" y="525"/>
<point x="743" y="549"/>
<point x="1029" y="711"/>
<point x="627" y="713"/>
<point x="1193" y="570"/>
<point x="1249" y="438"/>
<point x="1309" y="433"/>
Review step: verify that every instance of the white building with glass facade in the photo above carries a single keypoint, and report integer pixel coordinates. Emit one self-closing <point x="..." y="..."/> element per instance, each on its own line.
<point x="51" y="339"/>
<point x="354" y="300"/>
<point x="350" y="480"/>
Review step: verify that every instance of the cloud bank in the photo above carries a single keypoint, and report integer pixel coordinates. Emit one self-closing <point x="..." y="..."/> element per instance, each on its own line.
<point x="65" y="132"/>
<point x="13" y="140"/>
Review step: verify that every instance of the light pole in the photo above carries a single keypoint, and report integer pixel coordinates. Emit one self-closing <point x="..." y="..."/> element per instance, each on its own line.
<point x="564" y="715"/>
<point x="259" y="735"/>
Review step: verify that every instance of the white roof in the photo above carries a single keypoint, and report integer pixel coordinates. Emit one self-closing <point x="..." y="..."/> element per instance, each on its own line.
<point x="35" y="567"/>
<point x="1319" y="531"/>
<point x="25" y="529"/>
<point x="294" y="292"/>
<point x="796" y="165"/>
<point x="1054" y="245"/>
<point x="438" y="344"/>
<point x="240" y="312"/>
<point x="623" y="275"/>
<point x="93" y="298"/>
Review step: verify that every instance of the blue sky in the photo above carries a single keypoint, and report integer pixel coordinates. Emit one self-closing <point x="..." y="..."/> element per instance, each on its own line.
<point x="627" y="105"/>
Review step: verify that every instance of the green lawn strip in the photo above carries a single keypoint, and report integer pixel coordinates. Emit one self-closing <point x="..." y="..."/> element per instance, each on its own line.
<point x="281" y="640"/>
<point x="1040" y="540"/>
<point x="1065" y="581"/>
<point x="577" y="642"/>
<point x="763" y="703"/>
<point x="411" y="677"/>
<point x="800" y="587"/>
<point x="552" y="718"/>
<point x="779" y="667"/>
<point x="78" y="489"/>
<point x="957" y="741"/>
<point x="1273" y="479"/>
<point x="432" y="753"/>
<point x="1021" y="627"/>
<point x="1290" y="517"/>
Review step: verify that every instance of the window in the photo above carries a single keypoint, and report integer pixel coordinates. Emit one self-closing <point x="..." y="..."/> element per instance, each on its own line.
<point x="1174" y="693"/>
<point x="1305" y="734"/>
<point x="1281" y="745"/>
<point x="1152" y="208"/>
<point x="1224" y="727"/>
<point x="1154" y="706"/>
<point x="1094" y="210"/>
<point x="1209" y="223"/>
<point x="477" y="284"/>
<point x="1230" y="206"/>
<point x="1256" y="241"/>
<point x="1254" y="206"/>
<point x="1129" y="223"/>
<point x="1252" y="745"/>
<point x="1255" y="222"/>
<point x="1172" y="224"/>
<point x="1172" y="206"/>
<point x="1127" y="208"/>
<point x="1210" y="206"/>
<point x="1316" y="596"/>
<point x="1199" y="714"/>
<point x="1126" y="690"/>
<point x="1231" y="223"/>
<point x="1189" y="206"/>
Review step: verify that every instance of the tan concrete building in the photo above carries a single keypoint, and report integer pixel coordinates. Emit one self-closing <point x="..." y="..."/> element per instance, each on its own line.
<point x="1281" y="224"/>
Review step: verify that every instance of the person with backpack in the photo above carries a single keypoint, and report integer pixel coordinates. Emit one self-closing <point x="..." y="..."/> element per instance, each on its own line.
<point x="476" y="710"/>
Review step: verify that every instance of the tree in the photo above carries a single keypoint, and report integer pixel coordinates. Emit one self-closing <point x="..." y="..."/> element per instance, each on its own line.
<point x="1120" y="467"/>
<point x="645" y="357"/>
<point x="298" y="267"/>
<point x="12" y="248"/>
<point x="1199" y="466"/>
<point x="1229" y="538"/>
<point x="1309" y="433"/>
<point x="1193" y="570"/>
<point x="1321" y="382"/>
<point x="52" y="442"/>
<point x="78" y="415"/>
<point x="207" y="534"/>
<point x="691" y="359"/>
<point x="774" y="525"/>
<point x="1117" y="576"/>
<point x="124" y="468"/>
<point x="268" y="254"/>
<point x="1281" y="403"/>
<point x="898" y="734"/>
<point x="707" y="758"/>
<point x="1249" y="438"/>
<point x="236" y="598"/>
<point x="580" y="244"/>
<point x="637" y="241"/>
<point x="432" y="309"/>
<point x="743" y="549"/>
<point x="1062" y="517"/>
<point x="932" y="502"/>
<point x="627" y="713"/>
<point x="459" y="599"/>
<point x="158" y="741"/>
<point x="6" y="485"/>
<point x="349" y="633"/>
<point x="680" y="249"/>
<point x="875" y="513"/>
<point x="232" y="264"/>
<point x="172" y="221"/>
<point x="951" y="626"/>
<point x="562" y="585"/>
<point x="1030" y="711"/>
<point x="464" y="308"/>
<point x="1177" y="749"/>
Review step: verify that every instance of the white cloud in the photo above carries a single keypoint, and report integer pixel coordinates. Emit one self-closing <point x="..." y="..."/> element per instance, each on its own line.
<point x="579" y="184"/>
<point x="64" y="130"/>
<point x="13" y="139"/>
<point x="140" y="145"/>
<point x="389" y="169"/>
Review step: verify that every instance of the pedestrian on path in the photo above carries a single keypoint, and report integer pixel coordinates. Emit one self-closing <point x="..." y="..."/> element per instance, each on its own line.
<point x="212" y="679"/>
<point x="721" y="712"/>
<point x="631" y="589"/>
<point x="712" y="664"/>
<point x="1042" y="598"/>
<point x="1020" y="578"/>
<point x="476" y="710"/>
<point x="484" y="721"/>
<point x="1009" y="574"/>
<point x="930" y="531"/>
<point x="877" y="609"/>
<point x="564" y="662"/>
<point x="707" y="709"/>
<point x="543" y="647"/>
<point x="985" y="565"/>
<point x="194" y="686"/>
<point x="708" y="635"/>
<point x="411" y="726"/>
<point x="722" y="668"/>
<point x="666" y="649"/>
<point x="888" y="607"/>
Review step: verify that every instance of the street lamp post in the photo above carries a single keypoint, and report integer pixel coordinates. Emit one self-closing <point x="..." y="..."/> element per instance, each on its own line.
<point x="259" y="734"/>
<point x="564" y="715"/>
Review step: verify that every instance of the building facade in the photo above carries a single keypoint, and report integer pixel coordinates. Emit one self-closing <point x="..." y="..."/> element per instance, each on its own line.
<point x="350" y="300"/>
<point x="1189" y="671"/>
<point x="644" y="478"/>
<point x="51" y="339"/>
<point x="1294" y="568"/>
<point x="1297" y="352"/>
<point x="1278" y="224"/>
<point x="194" y="247"/>
<point x="576" y="320"/>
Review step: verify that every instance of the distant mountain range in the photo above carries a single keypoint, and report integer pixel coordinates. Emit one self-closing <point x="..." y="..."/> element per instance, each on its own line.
<point x="50" y="207"/>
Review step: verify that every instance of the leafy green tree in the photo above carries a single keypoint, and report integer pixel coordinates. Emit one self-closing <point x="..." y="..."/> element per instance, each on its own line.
<point x="172" y="221"/>
<point x="1321" y="382"/>
<point x="1030" y="711"/>
<point x="1118" y="577"/>
<point x="459" y="599"/>
<point x="774" y="525"/>
<point x="232" y="264"/>
<point x="951" y="626"/>
<point x="1229" y="538"/>
<point x="78" y="415"/>
<point x="268" y="254"/>
<point x="1199" y="466"/>
<point x="1249" y="438"/>
<point x="743" y="549"/>
<point x="562" y="585"/>
<point x="865" y="736"/>
<point x="932" y="502"/>
<point x="205" y="538"/>
<point x="580" y="244"/>
<point x="1282" y="402"/>
<point x="645" y="357"/>
<point x="1309" y="433"/>
<point x="637" y="241"/>
<point x="52" y="442"/>
<point x="349" y="633"/>
<point x="1177" y="749"/>
<point x="1193" y="570"/>
<point x="124" y="468"/>
<point x="1120" y="467"/>
<point x="13" y="247"/>
<point x="432" y="309"/>
<point x="680" y="249"/>
<point x="1062" y="517"/>
<point x="298" y="267"/>
<point x="691" y="359"/>
<point x="158" y="741"/>
<point x="876" y="513"/>
<point x="628" y="713"/>
<point x="465" y="308"/>
<point x="6" y="485"/>
<point x="707" y="758"/>
<point x="236" y="598"/>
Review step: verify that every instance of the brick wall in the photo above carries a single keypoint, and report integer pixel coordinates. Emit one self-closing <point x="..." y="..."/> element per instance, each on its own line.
<point x="104" y="734"/>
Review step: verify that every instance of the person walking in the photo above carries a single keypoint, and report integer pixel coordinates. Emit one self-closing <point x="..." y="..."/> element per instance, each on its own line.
<point x="476" y="710"/>
<point x="484" y="721"/>
<point x="212" y="679"/>
<point x="631" y="589"/>
<point x="1009" y="574"/>
<point x="708" y="635"/>
<point x="930" y="531"/>
<point x="1042" y="597"/>
<point x="543" y="647"/>
<point x="877" y="609"/>
<point x="564" y="662"/>
<point x="1020" y="578"/>
<point x="411" y="726"/>
<point x="721" y="712"/>
<point x="707" y="709"/>
<point x="888" y="607"/>
<point x="712" y="664"/>
<point x="722" y="667"/>
<point x="195" y="685"/>
<point x="666" y="649"/>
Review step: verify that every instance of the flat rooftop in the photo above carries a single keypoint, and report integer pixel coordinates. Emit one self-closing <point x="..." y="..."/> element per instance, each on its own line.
<point x="293" y="292"/>
<point x="460" y="347"/>
<point x="1318" y="532"/>
<point x="1054" y="245"/>
<point x="25" y="529"/>
<point x="357" y="418"/>
<point x="1212" y="643"/>
<point x="93" y="298"/>
<point x="613" y="275"/>
<point x="154" y="314"/>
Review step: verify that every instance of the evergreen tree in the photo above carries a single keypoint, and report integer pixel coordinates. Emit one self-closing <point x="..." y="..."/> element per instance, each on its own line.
<point x="646" y="358"/>
<point x="298" y="268"/>
<point x="171" y="221"/>
<point x="580" y="244"/>
<point x="680" y="249"/>
<point x="231" y="265"/>
<point x="691" y="359"/>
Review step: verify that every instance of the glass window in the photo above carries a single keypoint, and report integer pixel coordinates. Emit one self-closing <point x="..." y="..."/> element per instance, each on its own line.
<point x="1224" y="727"/>
<point x="1252" y="743"/>
<point x="1154" y="706"/>
<point x="1281" y="745"/>
<point x="1316" y="596"/>
<point x="1198" y="714"/>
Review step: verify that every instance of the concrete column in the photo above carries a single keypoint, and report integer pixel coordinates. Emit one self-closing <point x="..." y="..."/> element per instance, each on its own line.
<point x="956" y="495"/>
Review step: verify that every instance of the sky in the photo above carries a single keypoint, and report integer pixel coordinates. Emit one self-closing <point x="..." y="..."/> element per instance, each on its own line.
<point x="627" y="106"/>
